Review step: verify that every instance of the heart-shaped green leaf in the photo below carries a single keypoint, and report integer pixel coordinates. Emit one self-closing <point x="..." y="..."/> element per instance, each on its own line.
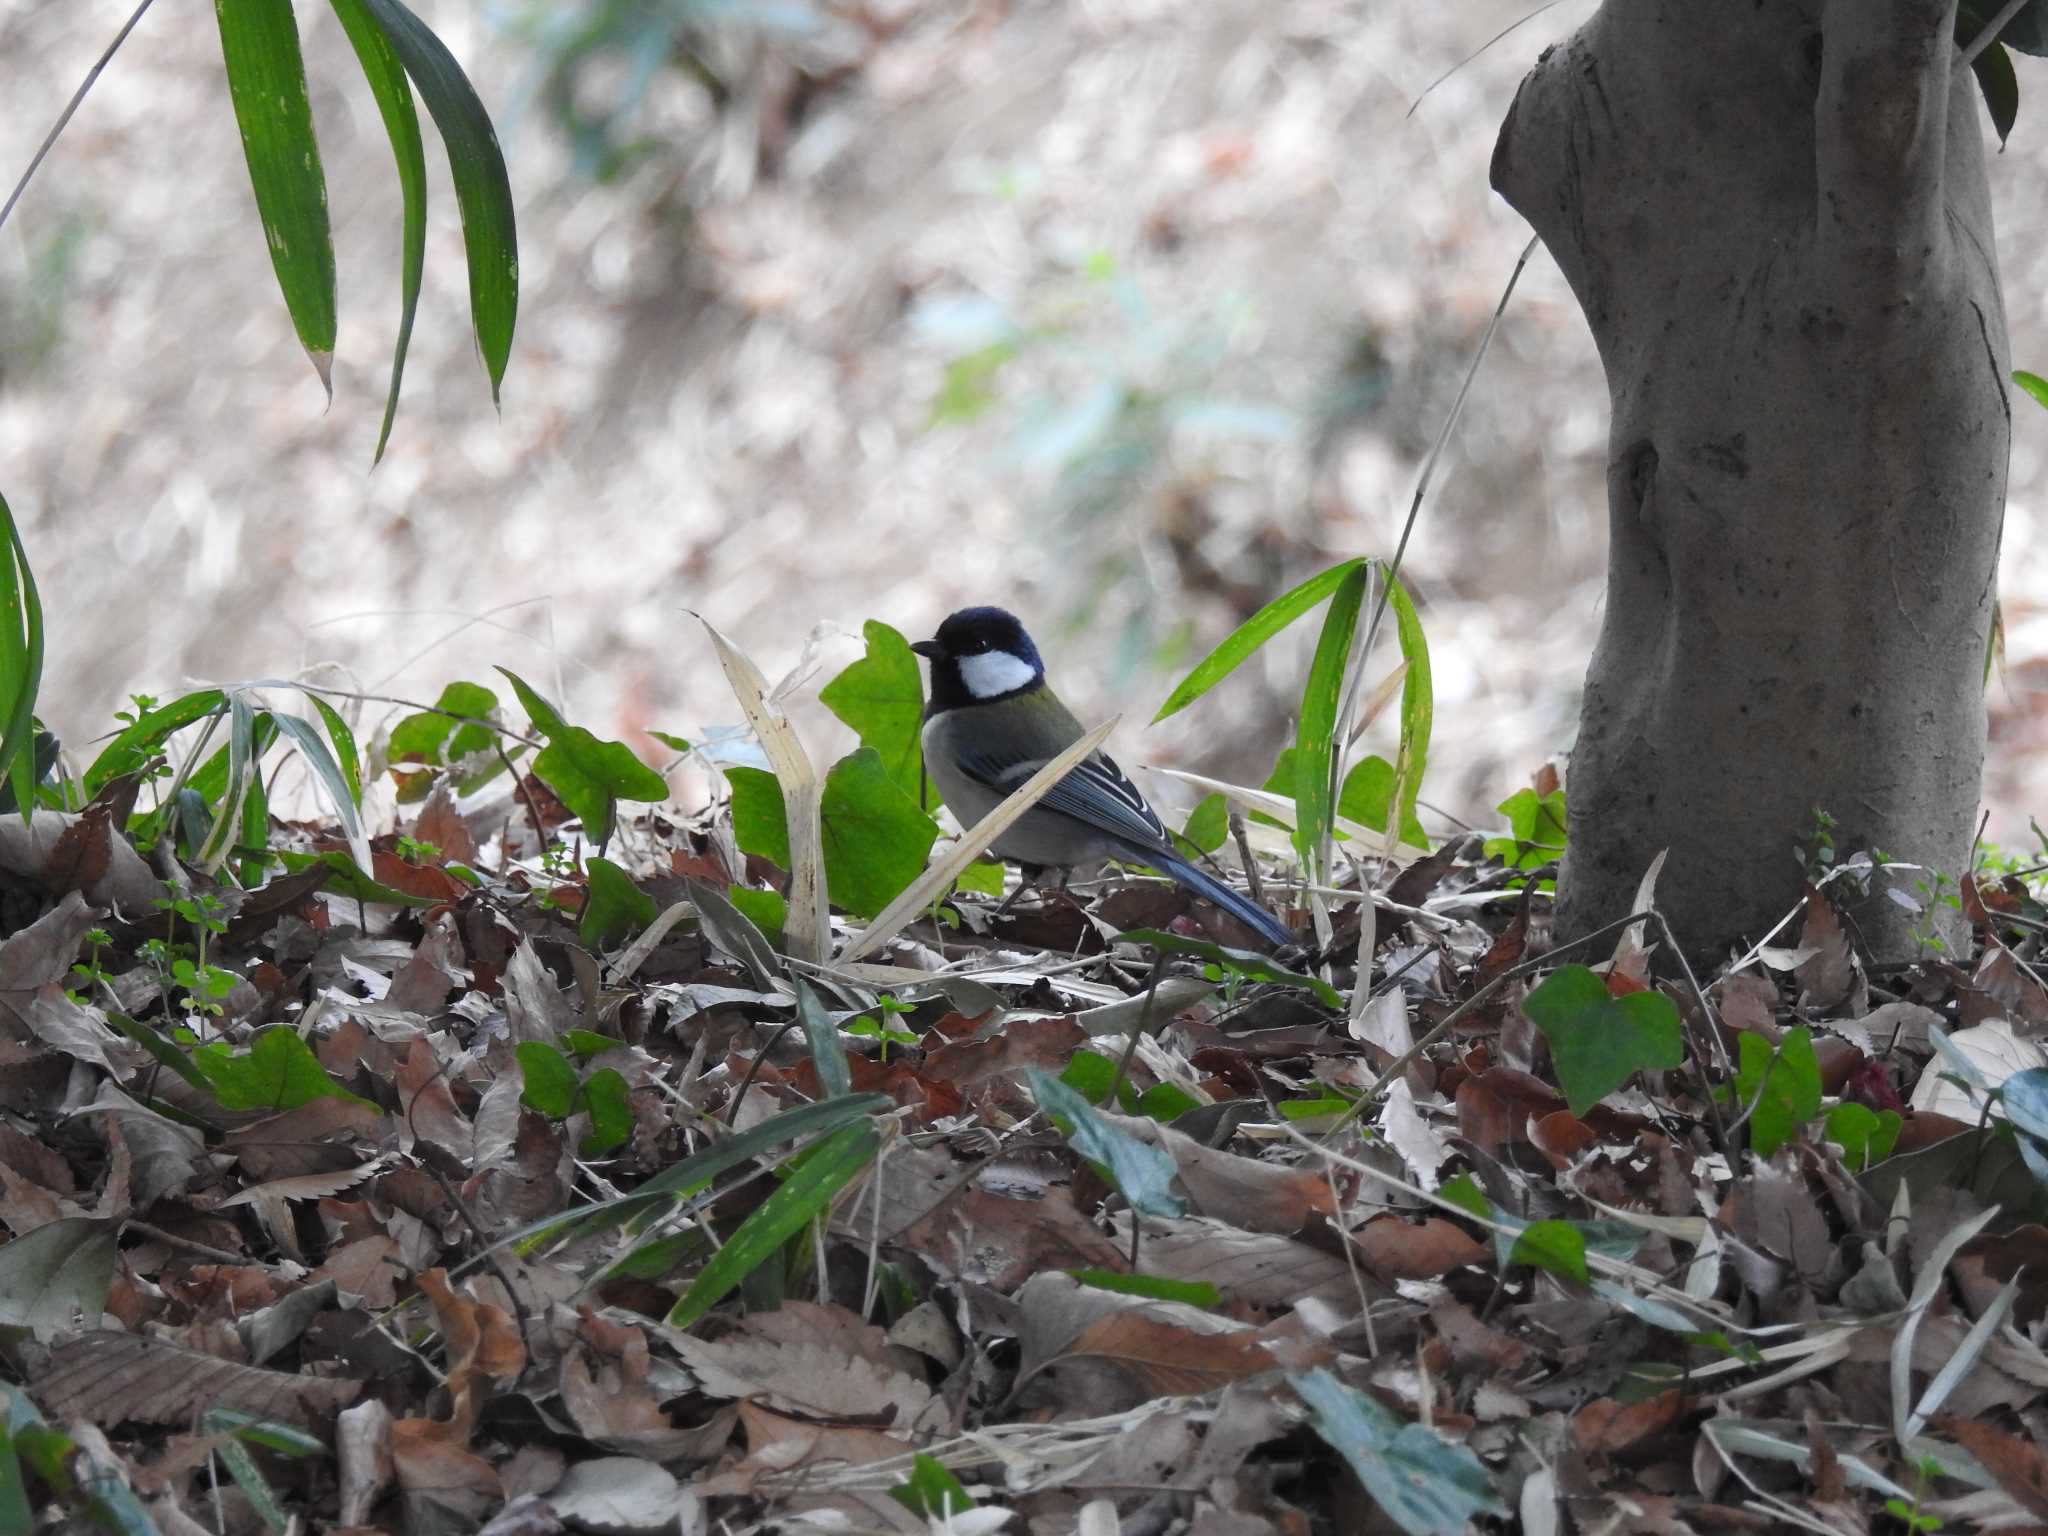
<point x="1597" y="1041"/>
<point x="1783" y="1084"/>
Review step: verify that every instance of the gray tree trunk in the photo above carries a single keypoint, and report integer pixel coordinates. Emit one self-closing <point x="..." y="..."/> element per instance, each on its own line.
<point x="1776" y="219"/>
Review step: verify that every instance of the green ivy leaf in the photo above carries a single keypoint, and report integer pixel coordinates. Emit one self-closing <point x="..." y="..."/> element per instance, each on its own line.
<point x="436" y="738"/>
<point x="1090" y="1074"/>
<point x="550" y="1081"/>
<point x="1789" y="1081"/>
<point x="278" y="1071"/>
<point x="1165" y="1102"/>
<point x="614" y="907"/>
<point x="1597" y="1041"/>
<point x="875" y="838"/>
<point x="611" y="1117"/>
<point x="760" y="826"/>
<point x="984" y="877"/>
<point x="590" y="775"/>
<point x="1536" y="830"/>
<point x="344" y="879"/>
<point x="882" y="697"/>
<point x="1865" y="1135"/>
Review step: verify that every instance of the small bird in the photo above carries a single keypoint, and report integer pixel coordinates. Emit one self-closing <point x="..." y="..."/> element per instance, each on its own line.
<point x="992" y="722"/>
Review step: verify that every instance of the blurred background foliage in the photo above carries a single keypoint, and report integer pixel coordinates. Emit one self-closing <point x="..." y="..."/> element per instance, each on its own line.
<point x="1128" y="316"/>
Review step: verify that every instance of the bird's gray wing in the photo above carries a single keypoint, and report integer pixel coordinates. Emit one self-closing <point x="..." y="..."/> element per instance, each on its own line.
<point x="1095" y="792"/>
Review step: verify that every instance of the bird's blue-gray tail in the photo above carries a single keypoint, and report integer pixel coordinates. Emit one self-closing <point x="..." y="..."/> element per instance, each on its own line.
<point x="1209" y="888"/>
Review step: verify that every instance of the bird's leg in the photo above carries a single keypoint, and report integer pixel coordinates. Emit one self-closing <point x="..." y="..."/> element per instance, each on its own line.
<point x="1031" y="877"/>
<point x="1028" y="876"/>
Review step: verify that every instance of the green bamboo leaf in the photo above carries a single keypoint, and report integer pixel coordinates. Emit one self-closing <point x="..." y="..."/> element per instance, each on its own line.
<point x="807" y="1193"/>
<point x="243" y="756"/>
<point x="2033" y="384"/>
<point x="1422" y="1483"/>
<point x="268" y="1433"/>
<point x="933" y="1491"/>
<point x="1253" y="633"/>
<point x="1143" y="1172"/>
<point x="1248" y="965"/>
<point x="1193" y="1293"/>
<point x="21" y="664"/>
<point x="1418" y="694"/>
<point x="483" y="191"/>
<point x="346" y="754"/>
<point x="386" y="75"/>
<point x="341" y="792"/>
<point x="259" y="42"/>
<point x="683" y="1180"/>
<point x="1315" y="736"/>
<point x="828" y="1051"/>
<point x="139" y="741"/>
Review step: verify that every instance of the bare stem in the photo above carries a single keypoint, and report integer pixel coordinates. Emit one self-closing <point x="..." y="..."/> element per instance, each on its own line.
<point x="70" y="107"/>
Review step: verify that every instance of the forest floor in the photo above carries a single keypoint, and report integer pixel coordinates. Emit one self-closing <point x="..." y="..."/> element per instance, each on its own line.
<point x="460" y="1178"/>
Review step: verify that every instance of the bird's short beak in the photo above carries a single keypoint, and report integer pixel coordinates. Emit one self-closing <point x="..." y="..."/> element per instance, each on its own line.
<point x="929" y="649"/>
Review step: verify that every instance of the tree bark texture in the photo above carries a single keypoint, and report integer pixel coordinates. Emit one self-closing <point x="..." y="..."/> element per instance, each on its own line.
<point x="1775" y="217"/>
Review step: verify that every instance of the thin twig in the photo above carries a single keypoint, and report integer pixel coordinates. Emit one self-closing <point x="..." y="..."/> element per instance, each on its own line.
<point x="1989" y="35"/>
<point x="1392" y="570"/>
<point x="201" y="1250"/>
<point x="71" y="106"/>
<point x="462" y="1210"/>
<point x="1239" y="831"/>
<point x="525" y="795"/>
<point x="1713" y="1029"/>
<point x="1503" y="32"/>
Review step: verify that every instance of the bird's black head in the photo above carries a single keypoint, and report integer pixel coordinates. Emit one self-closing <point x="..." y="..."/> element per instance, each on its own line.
<point x="978" y="655"/>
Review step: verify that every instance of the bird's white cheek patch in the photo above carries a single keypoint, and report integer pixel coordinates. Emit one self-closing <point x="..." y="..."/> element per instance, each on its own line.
<point x="994" y="673"/>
